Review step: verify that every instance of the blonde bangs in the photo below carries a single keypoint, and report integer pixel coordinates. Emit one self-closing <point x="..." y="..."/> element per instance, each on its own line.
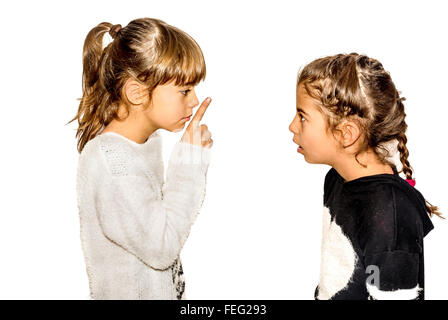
<point x="182" y="60"/>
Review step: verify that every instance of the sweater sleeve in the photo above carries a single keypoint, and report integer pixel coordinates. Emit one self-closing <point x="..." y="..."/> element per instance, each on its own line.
<point x="155" y="228"/>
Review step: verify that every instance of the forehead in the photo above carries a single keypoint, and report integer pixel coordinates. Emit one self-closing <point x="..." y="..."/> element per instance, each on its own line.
<point x="304" y="101"/>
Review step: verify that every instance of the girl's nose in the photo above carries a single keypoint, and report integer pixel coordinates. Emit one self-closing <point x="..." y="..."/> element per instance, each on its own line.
<point x="291" y="126"/>
<point x="194" y="99"/>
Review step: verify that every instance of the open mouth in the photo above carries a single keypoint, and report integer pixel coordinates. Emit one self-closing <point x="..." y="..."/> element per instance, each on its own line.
<point x="299" y="148"/>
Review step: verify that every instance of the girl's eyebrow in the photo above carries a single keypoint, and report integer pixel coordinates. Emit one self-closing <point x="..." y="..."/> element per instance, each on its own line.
<point x="301" y="111"/>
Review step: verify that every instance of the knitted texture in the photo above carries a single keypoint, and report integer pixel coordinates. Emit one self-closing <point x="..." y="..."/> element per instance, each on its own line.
<point x="133" y="224"/>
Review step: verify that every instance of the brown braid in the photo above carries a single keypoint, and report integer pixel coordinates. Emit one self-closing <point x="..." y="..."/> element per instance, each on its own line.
<point x="404" y="154"/>
<point x="407" y="170"/>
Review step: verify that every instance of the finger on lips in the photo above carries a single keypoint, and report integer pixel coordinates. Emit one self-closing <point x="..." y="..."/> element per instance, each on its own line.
<point x="193" y="133"/>
<point x="200" y="113"/>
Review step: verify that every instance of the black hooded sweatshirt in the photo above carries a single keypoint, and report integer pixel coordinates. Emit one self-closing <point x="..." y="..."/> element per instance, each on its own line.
<point x="372" y="239"/>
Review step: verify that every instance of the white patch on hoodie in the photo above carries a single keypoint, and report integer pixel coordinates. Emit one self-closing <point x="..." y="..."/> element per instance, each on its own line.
<point x="338" y="259"/>
<point x="400" y="294"/>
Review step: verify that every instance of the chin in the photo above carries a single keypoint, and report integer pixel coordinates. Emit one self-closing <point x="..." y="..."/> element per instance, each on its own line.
<point x="175" y="128"/>
<point x="178" y="129"/>
<point x="314" y="161"/>
<point x="311" y="161"/>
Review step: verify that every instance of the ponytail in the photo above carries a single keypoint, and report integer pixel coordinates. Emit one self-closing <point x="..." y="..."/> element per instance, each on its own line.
<point x="92" y="53"/>
<point x="95" y="97"/>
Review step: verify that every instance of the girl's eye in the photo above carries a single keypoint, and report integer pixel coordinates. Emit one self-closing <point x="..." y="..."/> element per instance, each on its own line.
<point x="185" y="92"/>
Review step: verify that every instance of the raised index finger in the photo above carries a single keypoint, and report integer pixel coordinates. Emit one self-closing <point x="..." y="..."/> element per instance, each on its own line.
<point x="200" y="113"/>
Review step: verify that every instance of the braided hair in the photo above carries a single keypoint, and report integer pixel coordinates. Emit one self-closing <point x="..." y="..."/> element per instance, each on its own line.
<point x="358" y="87"/>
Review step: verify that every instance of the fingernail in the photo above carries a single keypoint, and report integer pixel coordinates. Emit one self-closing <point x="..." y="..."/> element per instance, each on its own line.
<point x="209" y="99"/>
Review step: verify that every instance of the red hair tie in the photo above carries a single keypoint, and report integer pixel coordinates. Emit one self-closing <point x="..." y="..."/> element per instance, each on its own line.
<point x="411" y="182"/>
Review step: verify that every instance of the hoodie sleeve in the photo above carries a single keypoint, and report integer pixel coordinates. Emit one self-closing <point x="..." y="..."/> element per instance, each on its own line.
<point x="154" y="227"/>
<point x="393" y="275"/>
<point x="392" y="239"/>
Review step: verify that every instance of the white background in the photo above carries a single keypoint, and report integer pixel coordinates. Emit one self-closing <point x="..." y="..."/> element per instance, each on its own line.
<point x="258" y="233"/>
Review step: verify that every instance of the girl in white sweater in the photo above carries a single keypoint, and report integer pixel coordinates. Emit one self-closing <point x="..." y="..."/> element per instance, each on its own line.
<point x="133" y="224"/>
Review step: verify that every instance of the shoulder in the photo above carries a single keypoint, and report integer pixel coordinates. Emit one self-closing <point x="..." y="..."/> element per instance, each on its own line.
<point x="111" y="153"/>
<point x="392" y="217"/>
<point x="114" y="145"/>
<point x="332" y="178"/>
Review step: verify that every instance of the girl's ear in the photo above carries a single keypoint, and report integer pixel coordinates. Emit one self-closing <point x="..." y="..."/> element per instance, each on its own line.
<point x="135" y="92"/>
<point x="349" y="133"/>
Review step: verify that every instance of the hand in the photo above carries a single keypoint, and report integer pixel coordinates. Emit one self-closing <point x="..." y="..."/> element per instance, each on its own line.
<point x="198" y="134"/>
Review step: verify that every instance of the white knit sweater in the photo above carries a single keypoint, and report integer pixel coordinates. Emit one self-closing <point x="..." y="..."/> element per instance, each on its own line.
<point x="133" y="225"/>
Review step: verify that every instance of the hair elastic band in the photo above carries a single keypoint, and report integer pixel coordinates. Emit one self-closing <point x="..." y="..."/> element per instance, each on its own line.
<point x="411" y="182"/>
<point x="114" y="30"/>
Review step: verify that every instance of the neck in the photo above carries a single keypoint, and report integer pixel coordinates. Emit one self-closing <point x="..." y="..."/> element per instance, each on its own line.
<point x="349" y="169"/>
<point x="135" y="128"/>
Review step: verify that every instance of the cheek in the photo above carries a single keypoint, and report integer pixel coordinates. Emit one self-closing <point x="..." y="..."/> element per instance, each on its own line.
<point x="177" y="109"/>
<point x="315" y="145"/>
<point x="170" y="112"/>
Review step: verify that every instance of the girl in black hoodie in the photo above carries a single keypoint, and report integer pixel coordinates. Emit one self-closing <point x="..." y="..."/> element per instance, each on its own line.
<point x="351" y="117"/>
